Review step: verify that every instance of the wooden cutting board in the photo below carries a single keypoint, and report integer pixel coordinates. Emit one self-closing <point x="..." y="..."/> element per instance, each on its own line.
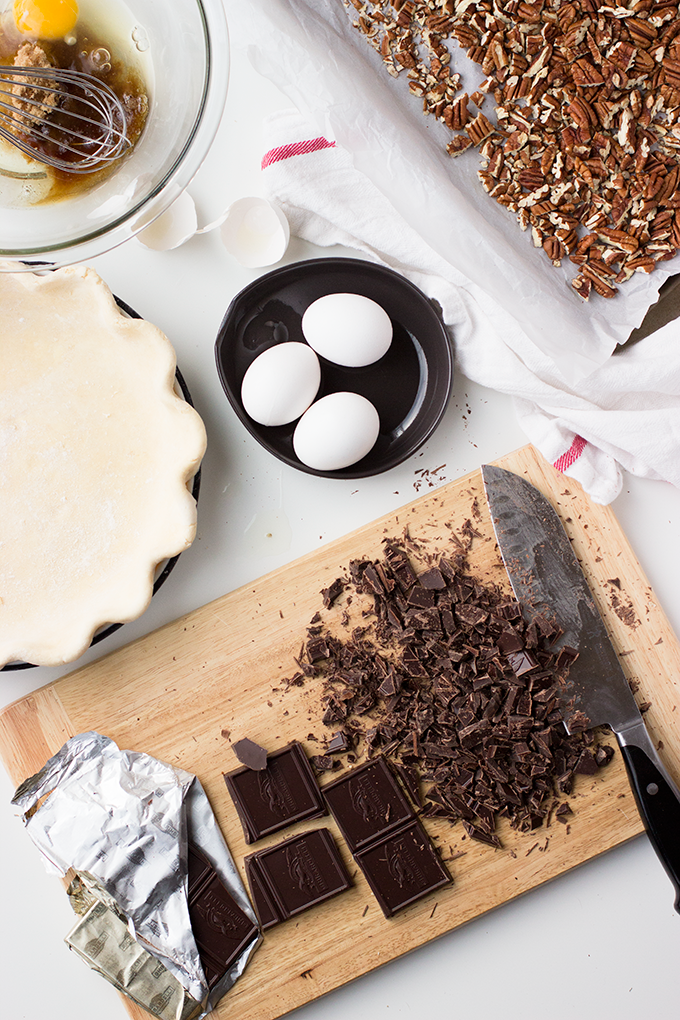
<point x="185" y="692"/>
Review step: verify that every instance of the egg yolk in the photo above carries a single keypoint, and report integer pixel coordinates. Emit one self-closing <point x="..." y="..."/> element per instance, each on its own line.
<point x="45" y="19"/>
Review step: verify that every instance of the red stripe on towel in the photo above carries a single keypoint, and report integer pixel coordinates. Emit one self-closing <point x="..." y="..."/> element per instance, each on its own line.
<point x="295" y="149"/>
<point x="573" y="453"/>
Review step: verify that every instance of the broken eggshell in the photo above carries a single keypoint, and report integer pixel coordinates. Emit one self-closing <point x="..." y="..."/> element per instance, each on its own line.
<point x="173" y="227"/>
<point x="255" y="232"/>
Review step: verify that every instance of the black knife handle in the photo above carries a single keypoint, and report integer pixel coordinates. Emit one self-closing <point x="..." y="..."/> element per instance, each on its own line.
<point x="659" y="806"/>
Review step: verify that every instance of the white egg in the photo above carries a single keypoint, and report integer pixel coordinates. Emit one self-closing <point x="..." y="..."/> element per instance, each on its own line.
<point x="336" y="431"/>
<point x="281" y="383"/>
<point x="347" y="329"/>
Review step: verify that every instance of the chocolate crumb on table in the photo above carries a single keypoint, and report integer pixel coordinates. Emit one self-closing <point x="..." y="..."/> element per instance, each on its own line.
<point x="447" y="680"/>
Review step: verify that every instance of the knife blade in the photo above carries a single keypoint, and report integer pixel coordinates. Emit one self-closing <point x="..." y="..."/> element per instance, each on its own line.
<point x="548" y="581"/>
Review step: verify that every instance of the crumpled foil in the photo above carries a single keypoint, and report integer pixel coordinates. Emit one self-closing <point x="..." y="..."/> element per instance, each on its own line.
<point x="122" y="819"/>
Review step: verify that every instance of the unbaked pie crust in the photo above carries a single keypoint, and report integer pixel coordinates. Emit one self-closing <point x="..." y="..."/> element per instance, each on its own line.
<point x="96" y="453"/>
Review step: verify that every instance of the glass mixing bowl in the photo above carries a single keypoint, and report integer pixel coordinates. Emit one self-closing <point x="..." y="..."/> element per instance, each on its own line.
<point x="183" y="46"/>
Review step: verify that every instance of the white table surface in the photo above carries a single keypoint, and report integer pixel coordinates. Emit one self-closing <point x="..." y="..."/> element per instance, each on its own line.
<point x="602" y="941"/>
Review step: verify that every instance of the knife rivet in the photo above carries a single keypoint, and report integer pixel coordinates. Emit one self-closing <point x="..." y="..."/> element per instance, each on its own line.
<point x="652" y="789"/>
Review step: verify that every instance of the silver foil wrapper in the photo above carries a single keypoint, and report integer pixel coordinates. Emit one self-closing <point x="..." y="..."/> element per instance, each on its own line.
<point x="122" y="820"/>
<point x="101" y="938"/>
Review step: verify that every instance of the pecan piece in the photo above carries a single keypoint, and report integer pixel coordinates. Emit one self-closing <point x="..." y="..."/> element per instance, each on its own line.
<point x="619" y="239"/>
<point x="582" y="286"/>
<point x="458" y="144"/>
<point x="479" y="129"/>
<point x="554" y="249"/>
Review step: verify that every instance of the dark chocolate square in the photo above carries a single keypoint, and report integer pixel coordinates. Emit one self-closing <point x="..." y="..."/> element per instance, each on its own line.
<point x="402" y="868"/>
<point x="266" y="909"/>
<point x="367" y="803"/>
<point x="221" y="928"/>
<point x="284" y="792"/>
<point x="297" y="874"/>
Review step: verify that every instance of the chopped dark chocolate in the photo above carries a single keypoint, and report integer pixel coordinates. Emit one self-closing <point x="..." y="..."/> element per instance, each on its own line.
<point x="324" y="763"/>
<point x="482" y="835"/>
<point x="284" y="792"/>
<point x="422" y="597"/>
<point x="410" y="780"/>
<point x="603" y="754"/>
<point x="295" y="875"/>
<point x="402" y="868"/>
<point x="578" y="722"/>
<point x="453" y="682"/>
<point x="338" y="743"/>
<point x="250" y="754"/>
<point x="522" y="662"/>
<point x="565" y="657"/>
<point x="372" y="581"/>
<point x="222" y="930"/>
<point x="317" y="649"/>
<point x="587" y="763"/>
<point x="367" y="803"/>
<point x="332" y="592"/>
<point x="432" y="579"/>
<point x="509" y="641"/>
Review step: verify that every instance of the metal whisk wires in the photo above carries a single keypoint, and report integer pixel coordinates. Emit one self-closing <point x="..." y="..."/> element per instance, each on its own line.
<point x="66" y="119"/>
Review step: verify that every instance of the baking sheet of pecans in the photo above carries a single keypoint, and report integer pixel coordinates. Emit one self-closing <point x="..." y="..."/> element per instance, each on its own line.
<point x="585" y="142"/>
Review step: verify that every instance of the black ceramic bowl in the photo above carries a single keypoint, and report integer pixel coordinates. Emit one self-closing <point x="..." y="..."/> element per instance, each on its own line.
<point x="409" y="386"/>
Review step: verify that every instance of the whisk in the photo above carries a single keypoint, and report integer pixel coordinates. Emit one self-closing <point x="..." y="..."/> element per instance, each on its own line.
<point x="66" y="119"/>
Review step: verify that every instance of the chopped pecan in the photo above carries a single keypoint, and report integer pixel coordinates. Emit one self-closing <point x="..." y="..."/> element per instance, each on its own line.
<point x="479" y="129"/>
<point x="553" y="248"/>
<point x="531" y="178"/>
<point x="598" y="280"/>
<point x="619" y="239"/>
<point x="458" y="144"/>
<point x="459" y="114"/>
<point x="582" y="286"/>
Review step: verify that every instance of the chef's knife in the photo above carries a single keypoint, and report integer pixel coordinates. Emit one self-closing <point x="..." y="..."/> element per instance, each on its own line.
<point x="547" y="580"/>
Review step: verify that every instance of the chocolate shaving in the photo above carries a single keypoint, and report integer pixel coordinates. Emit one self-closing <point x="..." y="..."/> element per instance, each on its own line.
<point x="250" y="754"/>
<point x="323" y="763"/>
<point x="332" y="592"/>
<point x="338" y="743"/>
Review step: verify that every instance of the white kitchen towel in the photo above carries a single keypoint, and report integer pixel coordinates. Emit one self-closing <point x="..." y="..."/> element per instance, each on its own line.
<point x="626" y="414"/>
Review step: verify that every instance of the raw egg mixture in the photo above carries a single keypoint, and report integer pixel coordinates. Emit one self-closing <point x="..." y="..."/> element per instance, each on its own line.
<point x="281" y="385"/>
<point x="85" y="35"/>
